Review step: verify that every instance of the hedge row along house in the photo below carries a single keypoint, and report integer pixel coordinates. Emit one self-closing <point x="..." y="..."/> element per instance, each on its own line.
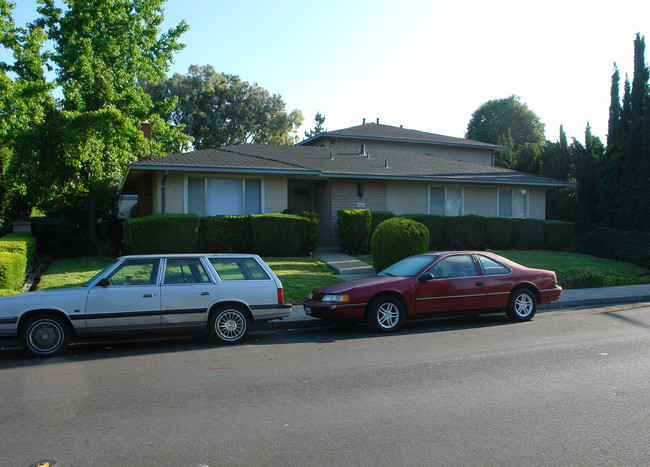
<point x="370" y="166"/>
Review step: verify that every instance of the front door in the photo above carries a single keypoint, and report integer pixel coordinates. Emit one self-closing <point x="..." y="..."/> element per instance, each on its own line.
<point x="130" y="299"/>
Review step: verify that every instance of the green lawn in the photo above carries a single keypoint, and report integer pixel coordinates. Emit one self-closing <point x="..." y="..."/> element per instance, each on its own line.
<point x="299" y="276"/>
<point x="71" y="272"/>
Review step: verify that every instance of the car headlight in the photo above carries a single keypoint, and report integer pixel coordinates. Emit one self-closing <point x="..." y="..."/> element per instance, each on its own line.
<point x="335" y="298"/>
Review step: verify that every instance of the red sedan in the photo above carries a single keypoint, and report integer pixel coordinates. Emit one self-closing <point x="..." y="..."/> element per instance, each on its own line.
<point x="437" y="284"/>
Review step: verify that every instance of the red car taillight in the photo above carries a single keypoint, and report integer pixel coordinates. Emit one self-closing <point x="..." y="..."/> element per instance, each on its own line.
<point x="280" y="296"/>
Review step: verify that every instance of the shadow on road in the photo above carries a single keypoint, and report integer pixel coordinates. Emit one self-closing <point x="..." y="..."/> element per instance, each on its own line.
<point x="12" y="355"/>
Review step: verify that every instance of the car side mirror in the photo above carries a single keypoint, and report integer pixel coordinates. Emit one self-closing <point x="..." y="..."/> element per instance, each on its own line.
<point x="427" y="276"/>
<point x="103" y="282"/>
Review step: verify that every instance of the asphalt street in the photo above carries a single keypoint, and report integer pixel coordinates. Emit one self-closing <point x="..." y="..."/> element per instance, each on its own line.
<point x="571" y="387"/>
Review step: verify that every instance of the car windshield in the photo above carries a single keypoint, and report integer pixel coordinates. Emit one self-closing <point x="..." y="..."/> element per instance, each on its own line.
<point x="408" y="266"/>
<point x="99" y="274"/>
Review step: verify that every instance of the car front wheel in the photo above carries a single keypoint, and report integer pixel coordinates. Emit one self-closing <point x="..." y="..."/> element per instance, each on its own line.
<point x="385" y="314"/>
<point x="522" y="305"/>
<point x="45" y="335"/>
<point x="229" y="324"/>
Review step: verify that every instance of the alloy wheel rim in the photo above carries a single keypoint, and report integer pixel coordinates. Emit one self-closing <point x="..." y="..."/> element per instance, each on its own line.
<point x="388" y="315"/>
<point x="45" y="336"/>
<point x="523" y="305"/>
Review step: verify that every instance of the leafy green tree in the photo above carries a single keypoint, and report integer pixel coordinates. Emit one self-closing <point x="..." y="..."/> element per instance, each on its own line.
<point x="506" y="118"/>
<point x="219" y="109"/>
<point x="82" y="146"/>
<point x="24" y="101"/>
<point x="319" y="119"/>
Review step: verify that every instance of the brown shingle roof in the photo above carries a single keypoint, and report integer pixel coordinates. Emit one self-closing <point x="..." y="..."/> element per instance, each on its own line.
<point x="380" y="132"/>
<point x="340" y="162"/>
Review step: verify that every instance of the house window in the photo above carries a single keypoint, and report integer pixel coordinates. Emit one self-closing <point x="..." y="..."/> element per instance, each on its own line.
<point x="512" y="203"/>
<point x="210" y="196"/>
<point x="445" y="201"/>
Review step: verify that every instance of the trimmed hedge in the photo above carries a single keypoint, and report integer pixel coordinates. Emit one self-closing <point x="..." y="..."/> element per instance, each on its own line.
<point x="282" y="235"/>
<point x="12" y="270"/>
<point x="313" y="232"/>
<point x="20" y="242"/>
<point x="558" y="235"/>
<point x="395" y="239"/>
<point x="623" y="245"/>
<point x="433" y="223"/>
<point x="161" y="233"/>
<point x="354" y="230"/>
<point x="464" y="233"/>
<point x="226" y="234"/>
<point x="54" y="235"/>
<point x="498" y="232"/>
<point x="527" y="234"/>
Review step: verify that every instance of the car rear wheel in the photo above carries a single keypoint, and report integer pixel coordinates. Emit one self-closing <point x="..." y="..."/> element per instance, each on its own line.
<point x="385" y="314"/>
<point x="522" y="305"/>
<point x="228" y="324"/>
<point x="45" y="335"/>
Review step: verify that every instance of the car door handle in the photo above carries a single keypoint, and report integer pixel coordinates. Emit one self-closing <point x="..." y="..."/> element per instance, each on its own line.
<point x="478" y="284"/>
<point x="205" y="293"/>
<point x="148" y="295"/>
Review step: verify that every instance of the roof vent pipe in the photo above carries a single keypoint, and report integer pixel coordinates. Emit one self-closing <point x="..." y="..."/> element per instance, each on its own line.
<point x="377" y="121"/>
<point x="363" y="149"/>
<point x="331" y="155"/>
<point x="385" y="164"/>
<point x="364" y="121"/>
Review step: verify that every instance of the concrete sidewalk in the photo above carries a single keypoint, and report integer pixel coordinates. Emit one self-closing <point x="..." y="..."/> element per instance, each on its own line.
<point x="349" y="268"/>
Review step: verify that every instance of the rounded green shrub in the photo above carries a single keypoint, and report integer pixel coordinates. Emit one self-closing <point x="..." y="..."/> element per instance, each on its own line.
<point x="395" y="239"/>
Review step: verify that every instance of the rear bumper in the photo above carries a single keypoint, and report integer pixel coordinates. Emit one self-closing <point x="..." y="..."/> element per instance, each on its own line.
<point x="550" y="295"/>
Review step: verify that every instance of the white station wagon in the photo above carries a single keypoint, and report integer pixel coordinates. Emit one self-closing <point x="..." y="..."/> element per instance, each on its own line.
<point x="215" y="293"/>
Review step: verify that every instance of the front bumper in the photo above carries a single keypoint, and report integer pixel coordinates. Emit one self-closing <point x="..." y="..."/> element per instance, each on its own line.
<point x="335" y="311"/>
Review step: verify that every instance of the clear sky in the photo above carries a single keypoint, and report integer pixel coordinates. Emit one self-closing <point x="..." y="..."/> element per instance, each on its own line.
<point x="423" y="64"/>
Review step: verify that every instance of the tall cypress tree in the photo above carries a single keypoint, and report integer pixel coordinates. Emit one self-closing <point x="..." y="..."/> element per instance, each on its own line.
<point x="615" y="110"/>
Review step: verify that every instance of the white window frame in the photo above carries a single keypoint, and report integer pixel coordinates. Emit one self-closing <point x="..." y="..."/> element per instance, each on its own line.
<point x="512" y="195"/>
<point x="462" y="199"/>
<point x="205" y="189"/>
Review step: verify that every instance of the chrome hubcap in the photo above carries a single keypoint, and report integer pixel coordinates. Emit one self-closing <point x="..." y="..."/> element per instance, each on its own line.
<point x="45" y="336"/>
<point x="387" y="315"/>
<point x="231" y="325"/>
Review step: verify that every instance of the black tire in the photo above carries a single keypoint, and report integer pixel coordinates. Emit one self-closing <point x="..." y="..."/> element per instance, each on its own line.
<point x="228" y="324"/>
<point x="45" y="335"/>
<point x="385" y="314"/>
<point x="522" y="305"/>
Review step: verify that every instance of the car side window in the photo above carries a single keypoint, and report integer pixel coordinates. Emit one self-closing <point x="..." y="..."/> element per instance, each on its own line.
<point x="185" y="271"/>
<point x="230" y="269"/>
<point x="492" y="267"/>
<point x="454" y="266"/>
<point x="136" y="272"/>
